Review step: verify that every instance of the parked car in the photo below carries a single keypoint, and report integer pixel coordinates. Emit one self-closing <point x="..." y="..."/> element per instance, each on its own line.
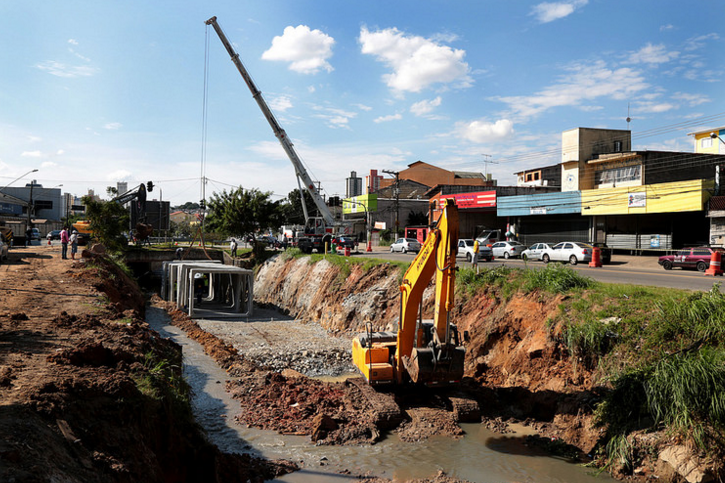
<point x="535" y="251"/>
<point x="268" y="239"/>
<point x="507" y="249"/>
<point x="405" y="245"/>
<point x="572" y="252"/>
<point x="53" y="235"/>
<point x="465" y="249"/>
<point x="606" y="252"/>
<point x="3" y="251"/>
<point x="693" y="257"/>
<point x="345" y="242"/>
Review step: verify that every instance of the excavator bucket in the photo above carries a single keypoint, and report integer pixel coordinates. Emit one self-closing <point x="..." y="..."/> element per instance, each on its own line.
<point x="436" y="367"/>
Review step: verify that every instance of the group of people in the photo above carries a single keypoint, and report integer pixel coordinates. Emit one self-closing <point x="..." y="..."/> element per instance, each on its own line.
<point x="67" y="237"/>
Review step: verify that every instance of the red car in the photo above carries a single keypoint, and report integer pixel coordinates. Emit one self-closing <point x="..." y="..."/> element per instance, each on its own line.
<point x="696" y="257"/>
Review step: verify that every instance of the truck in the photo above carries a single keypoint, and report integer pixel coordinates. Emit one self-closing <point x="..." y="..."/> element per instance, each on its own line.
<point x="320" y="230"/>
<point x="420" y="352"/>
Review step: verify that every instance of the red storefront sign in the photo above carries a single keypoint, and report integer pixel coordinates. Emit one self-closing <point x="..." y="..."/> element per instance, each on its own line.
<point x="479" y="199"/>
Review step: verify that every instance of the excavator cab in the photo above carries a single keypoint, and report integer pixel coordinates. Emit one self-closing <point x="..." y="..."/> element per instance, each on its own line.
<point x="420" y="352"/>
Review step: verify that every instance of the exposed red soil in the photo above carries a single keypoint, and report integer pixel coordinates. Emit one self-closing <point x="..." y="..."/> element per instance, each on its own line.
<point x="82" y="397"/>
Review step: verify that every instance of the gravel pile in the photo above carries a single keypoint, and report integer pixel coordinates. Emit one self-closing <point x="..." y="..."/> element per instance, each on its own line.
<point x="278" y="343"/>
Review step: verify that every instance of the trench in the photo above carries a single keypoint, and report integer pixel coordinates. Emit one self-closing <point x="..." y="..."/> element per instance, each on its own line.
<point x="481" y="456"/>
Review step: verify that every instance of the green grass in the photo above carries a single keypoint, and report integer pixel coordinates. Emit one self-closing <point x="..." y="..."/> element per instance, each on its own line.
<point x="555" y="278"/>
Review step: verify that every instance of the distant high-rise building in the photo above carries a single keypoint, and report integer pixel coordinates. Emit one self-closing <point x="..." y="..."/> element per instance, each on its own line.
<point x="353" y="185"/>
<point x="372" y="181"/>
<point x="122" y="187"/>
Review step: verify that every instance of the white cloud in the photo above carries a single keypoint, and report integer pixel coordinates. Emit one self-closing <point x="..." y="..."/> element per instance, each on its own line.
<point x="311" y="89"/>
<point x="549" y="11"/>
<point x="416" y="62"/>
<point x="31" y="154"/>
<point x="363" y="107"/>
<point x="113" y="126"/>
<point x="482" y="131"/>
<point x="691" y="99"/>
<point x="306" y="50"/>
<point x="391" y="117"/>
<point x="62" y="70"/>
<point x="583" y="83"/>
<point x="652" y="54"/>
<point x="425" y="106"/>
<point x="695" y="43"/>
<point x="72" y="41"/>
<point x="60" y="152"/>
<point x="118" y="175"/>
<point x="34" y="139"/>
<point x="667" y="27"/>
<point x="653" y="107"/>
<point x="280" y="103"/>
<point x="334" y="117"/>
<point x="48" y="164"/>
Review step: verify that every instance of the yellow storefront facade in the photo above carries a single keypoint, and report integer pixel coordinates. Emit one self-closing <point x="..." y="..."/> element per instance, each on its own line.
<point x="677" y="197"/>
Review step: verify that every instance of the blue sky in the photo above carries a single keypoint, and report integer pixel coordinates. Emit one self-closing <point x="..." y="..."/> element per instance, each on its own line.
<point x="94" y="92"/>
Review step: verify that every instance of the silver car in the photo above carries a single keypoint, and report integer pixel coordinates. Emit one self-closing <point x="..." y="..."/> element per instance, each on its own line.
<point x="572" y="252"/>
<point x="507" y="249"/>
<point x="535" y="251"/>
<point x="405" y="245"/>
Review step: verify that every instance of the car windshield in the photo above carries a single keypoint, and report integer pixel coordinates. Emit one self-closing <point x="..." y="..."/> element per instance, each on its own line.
<point x="468" y="242"/>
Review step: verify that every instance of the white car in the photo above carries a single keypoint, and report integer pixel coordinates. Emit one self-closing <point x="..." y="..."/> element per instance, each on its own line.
<point x="535" y="251"/>
<point x="507" y="249"/>
<point x="405" y="245"/>
<point x="572" y="252"/>
<point x="465" y="249"/>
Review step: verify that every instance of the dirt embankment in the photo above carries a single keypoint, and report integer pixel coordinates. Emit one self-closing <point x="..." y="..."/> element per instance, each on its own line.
<point x="87" y="391"/>
<point x="515" y="365"/>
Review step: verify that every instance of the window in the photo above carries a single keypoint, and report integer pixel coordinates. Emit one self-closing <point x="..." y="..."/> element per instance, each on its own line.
<point x="706" y="142"/>
<point x="618" y="175"/>
<point x="617" y="146"/>
<point x="701" y="252"/>
<point x="533" y="176"/>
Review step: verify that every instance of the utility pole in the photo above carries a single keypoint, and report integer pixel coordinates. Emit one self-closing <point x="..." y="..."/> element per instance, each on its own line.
<point x="396" y="193"/>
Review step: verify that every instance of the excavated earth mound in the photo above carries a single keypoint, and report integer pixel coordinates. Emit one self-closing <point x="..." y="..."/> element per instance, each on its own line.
<point x="88" y="393"/>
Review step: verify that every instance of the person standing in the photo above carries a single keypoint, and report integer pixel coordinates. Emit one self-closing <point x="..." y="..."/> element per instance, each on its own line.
<point x="64" y="243"/>
<point x="28" y="235"/>
<point x="474" y="258"/>
<point x="73" y="244"/>
<point x="233" y="246"/>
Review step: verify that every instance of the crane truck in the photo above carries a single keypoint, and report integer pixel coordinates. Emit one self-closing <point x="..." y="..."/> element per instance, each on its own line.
<point x="318" y="230"/>
<point x="421" y="352"/>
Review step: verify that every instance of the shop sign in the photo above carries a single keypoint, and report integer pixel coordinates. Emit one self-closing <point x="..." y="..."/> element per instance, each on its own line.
<point x="480" y="199"/>
<point x="539" y="210"/>
<point x="380" y="225"/>
<point x="654" y="241"/>
<point x="637" y="200"/>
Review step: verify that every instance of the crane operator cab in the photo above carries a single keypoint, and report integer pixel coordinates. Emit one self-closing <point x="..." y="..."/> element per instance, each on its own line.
<point x="429" y="353"/>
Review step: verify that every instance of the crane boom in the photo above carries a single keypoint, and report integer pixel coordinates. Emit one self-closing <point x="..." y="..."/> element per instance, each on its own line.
<point x="287" y="145"/>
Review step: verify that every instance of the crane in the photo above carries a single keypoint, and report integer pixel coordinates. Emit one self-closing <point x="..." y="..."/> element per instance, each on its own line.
<point x="423" y="352"/>
<point x="319" y="228"/>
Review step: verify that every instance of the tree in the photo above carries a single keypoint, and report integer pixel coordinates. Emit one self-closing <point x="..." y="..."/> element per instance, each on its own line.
<point x="108" y="221"/>
<point x="291" y="208"/>
<point x="417" y="218"/>
<point x="242" y="212"/>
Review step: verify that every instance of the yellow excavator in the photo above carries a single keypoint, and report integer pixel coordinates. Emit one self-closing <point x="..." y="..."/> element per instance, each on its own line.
<point x="421" y="352"/>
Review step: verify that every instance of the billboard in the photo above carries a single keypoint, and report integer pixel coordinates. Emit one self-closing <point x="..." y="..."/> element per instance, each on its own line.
<point x="360" y="204"/>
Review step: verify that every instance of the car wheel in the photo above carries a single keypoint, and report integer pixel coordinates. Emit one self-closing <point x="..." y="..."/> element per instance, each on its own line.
<point x="545" y="258"/>
<point x="506" y="255"/>
<point x="524" y="257"/>
<point x="573" y="260"/>
<point x="468" y="257"/>
<point x="404" y="250"/>
<point x="667" y="265"/>
<point x="701" y="266"/>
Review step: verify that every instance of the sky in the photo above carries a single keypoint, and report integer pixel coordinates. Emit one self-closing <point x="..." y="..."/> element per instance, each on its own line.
<point x="96" y="92"/>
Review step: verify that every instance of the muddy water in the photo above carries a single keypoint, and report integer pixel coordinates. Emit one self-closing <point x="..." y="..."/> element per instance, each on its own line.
<point x="481" y="456"/>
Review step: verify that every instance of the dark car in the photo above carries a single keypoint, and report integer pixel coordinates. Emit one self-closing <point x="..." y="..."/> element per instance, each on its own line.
<point x="345" y="242"/>
<point x="606" y="252"/>
<point x="694" y="258"/>
<point x="53" y="235"/>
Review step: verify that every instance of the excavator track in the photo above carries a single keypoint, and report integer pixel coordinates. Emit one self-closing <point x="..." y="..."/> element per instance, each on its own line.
<point x="388" y="414"/>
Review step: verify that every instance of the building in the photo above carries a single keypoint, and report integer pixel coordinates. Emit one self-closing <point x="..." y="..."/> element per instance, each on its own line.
<point x="549" y="176"/>
<point x="429" y="175"/>
<point x="710" y="141"/>
<point x="372" y="182"/>
<point x="353" y="185"/>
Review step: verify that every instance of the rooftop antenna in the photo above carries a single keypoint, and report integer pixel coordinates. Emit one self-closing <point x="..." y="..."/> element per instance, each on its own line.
<point x="487" y="159"/>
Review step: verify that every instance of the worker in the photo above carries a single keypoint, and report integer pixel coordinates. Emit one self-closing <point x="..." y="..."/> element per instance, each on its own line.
<point x="201" y="285"/>
<point x="474" y="258"/>
<point x="233" y="246"/>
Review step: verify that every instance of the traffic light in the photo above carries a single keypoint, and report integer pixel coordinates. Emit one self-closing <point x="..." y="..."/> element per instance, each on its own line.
<point x="150" y="186"/>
